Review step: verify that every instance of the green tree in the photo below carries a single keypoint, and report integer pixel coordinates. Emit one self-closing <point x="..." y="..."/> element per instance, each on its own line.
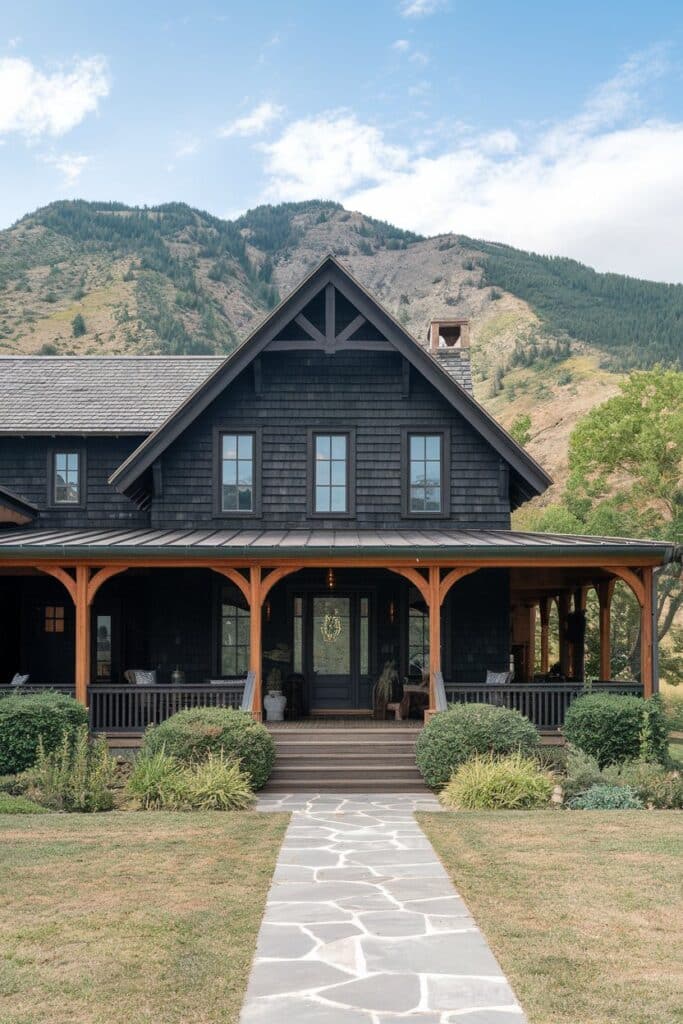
<point x="78" y="326"/>
<point x="625" y="462"/>
<point x="521" y="430"/>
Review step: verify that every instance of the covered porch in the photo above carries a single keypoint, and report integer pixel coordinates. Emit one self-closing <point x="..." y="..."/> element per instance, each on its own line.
<point x="220" y="618"/>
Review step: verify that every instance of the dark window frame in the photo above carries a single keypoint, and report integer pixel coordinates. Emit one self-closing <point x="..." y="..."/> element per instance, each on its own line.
<point x="333" y="431"/>
<point x="67" y="449"/>
<point x="219" y="431"/>
<point x="426" y="431"/>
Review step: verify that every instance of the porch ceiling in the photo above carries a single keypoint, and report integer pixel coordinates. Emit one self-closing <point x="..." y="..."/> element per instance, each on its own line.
<point x="495" y="546"/>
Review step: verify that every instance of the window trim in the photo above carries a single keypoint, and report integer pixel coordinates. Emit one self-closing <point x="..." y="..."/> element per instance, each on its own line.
<point x="333" y="431"/>
<point x="67" y="449"/>
<point x="426" y="431"/>
<point x="218" y="511"/>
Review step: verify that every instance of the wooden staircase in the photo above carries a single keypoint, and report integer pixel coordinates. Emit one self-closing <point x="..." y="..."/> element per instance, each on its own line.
<point x="336" y="757"/>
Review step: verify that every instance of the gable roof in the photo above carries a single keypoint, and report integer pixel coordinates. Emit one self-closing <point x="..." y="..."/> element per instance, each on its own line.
<point x="529" y="478"/>
<point x="96" y="394"/>
<point x="14" y="508"/>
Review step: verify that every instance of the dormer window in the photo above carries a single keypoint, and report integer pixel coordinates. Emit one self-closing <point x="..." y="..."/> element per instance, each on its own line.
<point x="67" y="477"/>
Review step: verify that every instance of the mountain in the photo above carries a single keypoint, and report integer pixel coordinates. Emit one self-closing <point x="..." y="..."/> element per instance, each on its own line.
<point x="550" y="337"/>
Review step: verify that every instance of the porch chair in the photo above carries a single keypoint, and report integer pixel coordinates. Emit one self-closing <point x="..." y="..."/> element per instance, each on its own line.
<point x="140" y="676"/>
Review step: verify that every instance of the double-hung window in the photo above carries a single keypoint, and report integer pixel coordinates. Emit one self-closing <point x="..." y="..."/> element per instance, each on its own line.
<point x="426" y="486"/>
<point x="66" y="477"/>
<point x="237" y="457"/>
<point x="331" y="474"/>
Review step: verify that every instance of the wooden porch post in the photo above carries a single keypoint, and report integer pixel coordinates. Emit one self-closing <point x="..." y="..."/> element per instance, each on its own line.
<point x="563" y="609"/>
<point x="255" y="653"/>
<point x="544" y="608"/>
<point x="646" y="666"/>
<point x="434" y="632"/>
<point x="82" y="674"/>
<point x="605" y="591"/>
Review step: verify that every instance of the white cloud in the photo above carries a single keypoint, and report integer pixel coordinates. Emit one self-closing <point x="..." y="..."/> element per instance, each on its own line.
<point x="70" y="165"/>
<point x="330" y="154"/>
<point x="35" y="103"/>
<point x="400" y="45"/>
<point x="189" y="147"/>
<point x="420" y="8"/>
<point x="605" y="187"/>
<point x="254" y="123"/>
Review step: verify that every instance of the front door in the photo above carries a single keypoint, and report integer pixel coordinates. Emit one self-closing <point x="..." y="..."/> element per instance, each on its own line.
<point x="338" y="652"/>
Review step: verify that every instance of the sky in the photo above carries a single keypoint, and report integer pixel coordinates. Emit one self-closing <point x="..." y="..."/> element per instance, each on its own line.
<point x="552" y="127"/>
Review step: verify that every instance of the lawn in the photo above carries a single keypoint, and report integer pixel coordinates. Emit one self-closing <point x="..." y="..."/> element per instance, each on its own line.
<point x="583" y="909"/>
<point x="131" y="917"/>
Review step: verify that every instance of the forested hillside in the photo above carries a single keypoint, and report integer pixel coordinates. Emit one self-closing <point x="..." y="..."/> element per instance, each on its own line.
<point x="550" y="337"/>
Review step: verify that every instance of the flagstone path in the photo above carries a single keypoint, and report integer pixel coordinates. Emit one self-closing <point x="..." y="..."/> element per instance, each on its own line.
<point x="363" y="925"/>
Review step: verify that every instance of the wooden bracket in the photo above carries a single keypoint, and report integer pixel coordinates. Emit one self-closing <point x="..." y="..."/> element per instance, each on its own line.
<point x="62" y="575"/>
<point x="452" y="577"/>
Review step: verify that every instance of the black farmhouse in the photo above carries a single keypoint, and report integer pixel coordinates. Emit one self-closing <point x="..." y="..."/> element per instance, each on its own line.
<point x="328" y="499"/>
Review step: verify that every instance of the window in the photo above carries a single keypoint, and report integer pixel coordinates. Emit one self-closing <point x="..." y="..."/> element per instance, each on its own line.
<point x="331" y="473"/>
<point x="54" y="618"/>
<point x="66" y="473"/>
<point x="237" y="473"/>
<point x="103" y="646"/>
<point x="298" y="645"/>
<point x="425" y="473"/>
<point x="234" y="639"/>
<point x="418" y="635"/>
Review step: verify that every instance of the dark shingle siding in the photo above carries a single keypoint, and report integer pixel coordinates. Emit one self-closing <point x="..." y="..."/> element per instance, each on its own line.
<point x="349" y="390"/>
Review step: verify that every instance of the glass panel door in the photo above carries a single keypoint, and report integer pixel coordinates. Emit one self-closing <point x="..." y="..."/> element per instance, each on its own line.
<point x="333" y="682"/>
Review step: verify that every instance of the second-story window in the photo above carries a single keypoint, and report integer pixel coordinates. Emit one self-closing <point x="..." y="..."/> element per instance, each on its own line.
<point x="331" y="463"/>
<point x="237" y="472"/>
<point x="66" y="476"/>
<point x="425" y="473"/>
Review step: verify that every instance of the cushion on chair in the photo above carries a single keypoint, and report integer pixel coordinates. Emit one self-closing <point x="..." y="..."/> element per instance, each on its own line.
<point x="19" y="680"/>
<point x="497" y="678"/>
<point x="141" y="676"/>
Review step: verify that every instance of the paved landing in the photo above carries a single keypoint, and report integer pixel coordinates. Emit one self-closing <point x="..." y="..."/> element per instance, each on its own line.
<point x="363" y="925"/>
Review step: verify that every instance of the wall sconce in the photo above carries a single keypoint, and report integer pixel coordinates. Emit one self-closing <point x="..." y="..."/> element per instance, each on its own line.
<point x="392" y="612"/>
<point x="267" y="610"/>
<point x="330" y="579"/>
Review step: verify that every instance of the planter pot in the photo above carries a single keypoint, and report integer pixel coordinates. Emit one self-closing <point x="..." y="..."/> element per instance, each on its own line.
<point x="275" y="704"/>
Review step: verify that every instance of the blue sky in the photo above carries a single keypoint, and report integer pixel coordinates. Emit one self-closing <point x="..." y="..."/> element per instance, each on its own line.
<point x="548" y="126"/>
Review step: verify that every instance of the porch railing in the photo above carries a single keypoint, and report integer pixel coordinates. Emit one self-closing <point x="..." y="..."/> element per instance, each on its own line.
<point x="131" y="709"/>
<point x="67" y="688"/>
<point x="544" y="704"/>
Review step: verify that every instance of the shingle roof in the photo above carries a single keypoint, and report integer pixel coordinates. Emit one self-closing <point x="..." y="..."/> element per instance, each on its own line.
<point x="96" y="394"/>
<point x="484" y="544"/>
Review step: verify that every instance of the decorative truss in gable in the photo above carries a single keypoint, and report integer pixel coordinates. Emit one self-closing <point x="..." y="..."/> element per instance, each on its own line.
<point x="329" y="322"/>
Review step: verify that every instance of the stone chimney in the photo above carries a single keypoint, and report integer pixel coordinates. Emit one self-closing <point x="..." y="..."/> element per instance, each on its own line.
<point x="449" y="343"/>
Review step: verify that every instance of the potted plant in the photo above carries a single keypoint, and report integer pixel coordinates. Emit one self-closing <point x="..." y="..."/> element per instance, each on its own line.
<point x="275" y="702"/>
<point x="384" y="688"/>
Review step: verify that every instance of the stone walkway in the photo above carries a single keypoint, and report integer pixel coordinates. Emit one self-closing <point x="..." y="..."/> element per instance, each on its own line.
<point x="363" y="925"/>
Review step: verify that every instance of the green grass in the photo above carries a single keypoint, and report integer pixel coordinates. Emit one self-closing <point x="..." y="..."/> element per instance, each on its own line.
<point x="581" y="908"/>
<point x="676" y="752"/>
<point x="19" y="805"/>
<point x="147" y="917"/>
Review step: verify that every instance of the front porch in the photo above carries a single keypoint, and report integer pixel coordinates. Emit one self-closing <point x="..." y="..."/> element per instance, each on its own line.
<point x="310" y="614"/>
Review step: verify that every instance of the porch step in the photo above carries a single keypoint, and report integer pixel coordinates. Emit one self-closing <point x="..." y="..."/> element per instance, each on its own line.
<point x="338" y="759"/>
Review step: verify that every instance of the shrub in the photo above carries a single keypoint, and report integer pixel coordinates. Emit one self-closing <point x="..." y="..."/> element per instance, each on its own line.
<point x="488" y="783"/>
<point x="655" y="785"/>
<point x="191" y="735"/>
<point x="24" y="718"/>
<point x="553" y="758"/>
<point x="453" y="736"/>
<point x="582" y="772"/>
<point x="603" y="797"/>
<point x="214" y="784"/>
<point x="77" y="776"/>
<point x="154" y="780"/>
<point x="19" y="805"/>
<point x="614" y="727"/>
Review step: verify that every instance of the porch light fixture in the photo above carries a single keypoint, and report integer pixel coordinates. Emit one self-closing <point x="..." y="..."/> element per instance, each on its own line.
<point x="392" y="612"/>
<point x="267" y="610"/>
<point x="330" y="579"/>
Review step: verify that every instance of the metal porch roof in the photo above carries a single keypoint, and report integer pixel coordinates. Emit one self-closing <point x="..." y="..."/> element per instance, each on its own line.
<point x="149" y="543"/>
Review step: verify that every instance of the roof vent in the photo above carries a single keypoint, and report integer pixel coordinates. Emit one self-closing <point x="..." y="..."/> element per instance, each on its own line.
<point x="449" y="343"/>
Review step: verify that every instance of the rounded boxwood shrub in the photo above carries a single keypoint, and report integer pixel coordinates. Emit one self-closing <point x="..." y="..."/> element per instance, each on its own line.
<point x="26" y="718"/>
<point x="486" y="783"/>
<point x="614" y="727"/>
<point x="454" y="736"/>
<point x="191" y="735"/>
<point x="603" y="797"/>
